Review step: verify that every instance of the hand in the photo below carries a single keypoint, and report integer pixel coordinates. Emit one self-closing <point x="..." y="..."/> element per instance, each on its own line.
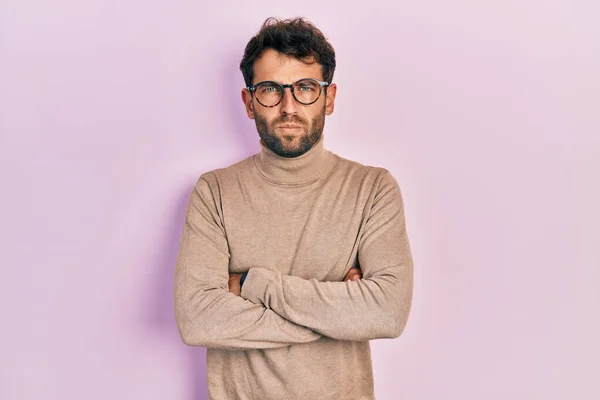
<point x="234" y="284"/>
<point x="353" y="275"/>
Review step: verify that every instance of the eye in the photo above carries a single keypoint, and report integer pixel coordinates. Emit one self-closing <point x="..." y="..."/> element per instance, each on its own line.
<point x="267" y="89"/>
<point x="306" y="86"/>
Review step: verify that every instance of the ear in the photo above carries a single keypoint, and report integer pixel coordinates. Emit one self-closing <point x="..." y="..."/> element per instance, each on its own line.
<point x="247" y="100"/>
<point x="330" y="98"/>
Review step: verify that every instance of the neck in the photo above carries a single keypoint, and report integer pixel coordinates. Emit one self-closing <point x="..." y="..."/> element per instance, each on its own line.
<point x="299" y="170"/>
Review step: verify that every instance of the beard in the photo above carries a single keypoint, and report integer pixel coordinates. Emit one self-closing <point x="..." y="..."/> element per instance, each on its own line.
<point x="290" y="145"/>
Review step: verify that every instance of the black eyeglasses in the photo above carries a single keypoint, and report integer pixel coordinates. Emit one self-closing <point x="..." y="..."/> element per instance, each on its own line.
<point x="306" y="91"/>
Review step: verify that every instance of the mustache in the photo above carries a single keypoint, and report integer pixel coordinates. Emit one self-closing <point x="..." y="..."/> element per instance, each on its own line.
<point x="289" y="120"/>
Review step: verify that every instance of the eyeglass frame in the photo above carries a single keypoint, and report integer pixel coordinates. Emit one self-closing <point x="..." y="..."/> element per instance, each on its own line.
<point x="322" y="84"/>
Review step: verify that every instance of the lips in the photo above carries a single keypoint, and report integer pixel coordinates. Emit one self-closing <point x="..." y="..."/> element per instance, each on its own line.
<point x="289" y="126"/>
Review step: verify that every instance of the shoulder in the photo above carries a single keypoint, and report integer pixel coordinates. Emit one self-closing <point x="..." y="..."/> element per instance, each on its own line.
<point x="222" y="176"/>
<point x="357" y="171"/>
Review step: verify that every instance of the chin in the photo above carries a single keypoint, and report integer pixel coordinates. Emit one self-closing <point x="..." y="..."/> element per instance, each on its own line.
<point x="286" y="149"/>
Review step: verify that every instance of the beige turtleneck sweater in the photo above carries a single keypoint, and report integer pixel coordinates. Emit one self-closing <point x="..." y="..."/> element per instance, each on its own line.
<point x="297" y="225"/>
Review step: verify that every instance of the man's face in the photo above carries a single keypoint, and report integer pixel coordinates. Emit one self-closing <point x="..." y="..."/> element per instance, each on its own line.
<point x="289" y="129"/>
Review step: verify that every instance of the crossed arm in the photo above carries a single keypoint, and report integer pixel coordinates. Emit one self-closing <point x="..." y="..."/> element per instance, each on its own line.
<point x="235" y="286"/>
<point x="274" y="310"/>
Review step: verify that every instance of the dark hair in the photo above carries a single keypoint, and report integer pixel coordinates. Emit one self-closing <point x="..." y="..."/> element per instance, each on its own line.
<point x="296" y="38"/>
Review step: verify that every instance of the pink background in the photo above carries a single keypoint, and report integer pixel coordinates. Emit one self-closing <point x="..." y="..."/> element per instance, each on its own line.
<point x="487" y="113"/>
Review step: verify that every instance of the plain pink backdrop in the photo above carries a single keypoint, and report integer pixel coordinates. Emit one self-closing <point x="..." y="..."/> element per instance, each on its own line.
<point x="487" y="113"/>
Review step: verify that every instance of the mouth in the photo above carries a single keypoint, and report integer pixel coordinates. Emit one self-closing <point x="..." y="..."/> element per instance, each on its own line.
<point x="289" y="127"/>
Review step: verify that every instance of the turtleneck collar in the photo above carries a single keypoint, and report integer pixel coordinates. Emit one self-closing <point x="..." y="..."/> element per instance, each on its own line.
<point x="293" y="171"/>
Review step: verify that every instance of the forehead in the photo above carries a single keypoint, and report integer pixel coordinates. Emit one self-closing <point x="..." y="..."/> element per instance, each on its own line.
<point x="274" y="66"/>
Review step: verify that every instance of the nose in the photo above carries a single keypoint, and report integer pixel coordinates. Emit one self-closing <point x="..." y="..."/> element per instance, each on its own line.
<point x="288" y="103"/>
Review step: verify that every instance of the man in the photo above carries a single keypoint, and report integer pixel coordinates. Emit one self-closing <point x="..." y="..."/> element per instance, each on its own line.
<point x="294" y="258"/>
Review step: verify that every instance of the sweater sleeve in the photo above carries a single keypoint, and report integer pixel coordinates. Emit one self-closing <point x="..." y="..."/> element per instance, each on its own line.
<point x="376" y="306"/>
<point x="207" y="314"/>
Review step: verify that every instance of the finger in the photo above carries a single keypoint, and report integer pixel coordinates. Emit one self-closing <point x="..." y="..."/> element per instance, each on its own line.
<point x="352" y="273"/>
<point x="353" y="276"/>
<point x="233" y="283"/>
<point x="235" y="289"/>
